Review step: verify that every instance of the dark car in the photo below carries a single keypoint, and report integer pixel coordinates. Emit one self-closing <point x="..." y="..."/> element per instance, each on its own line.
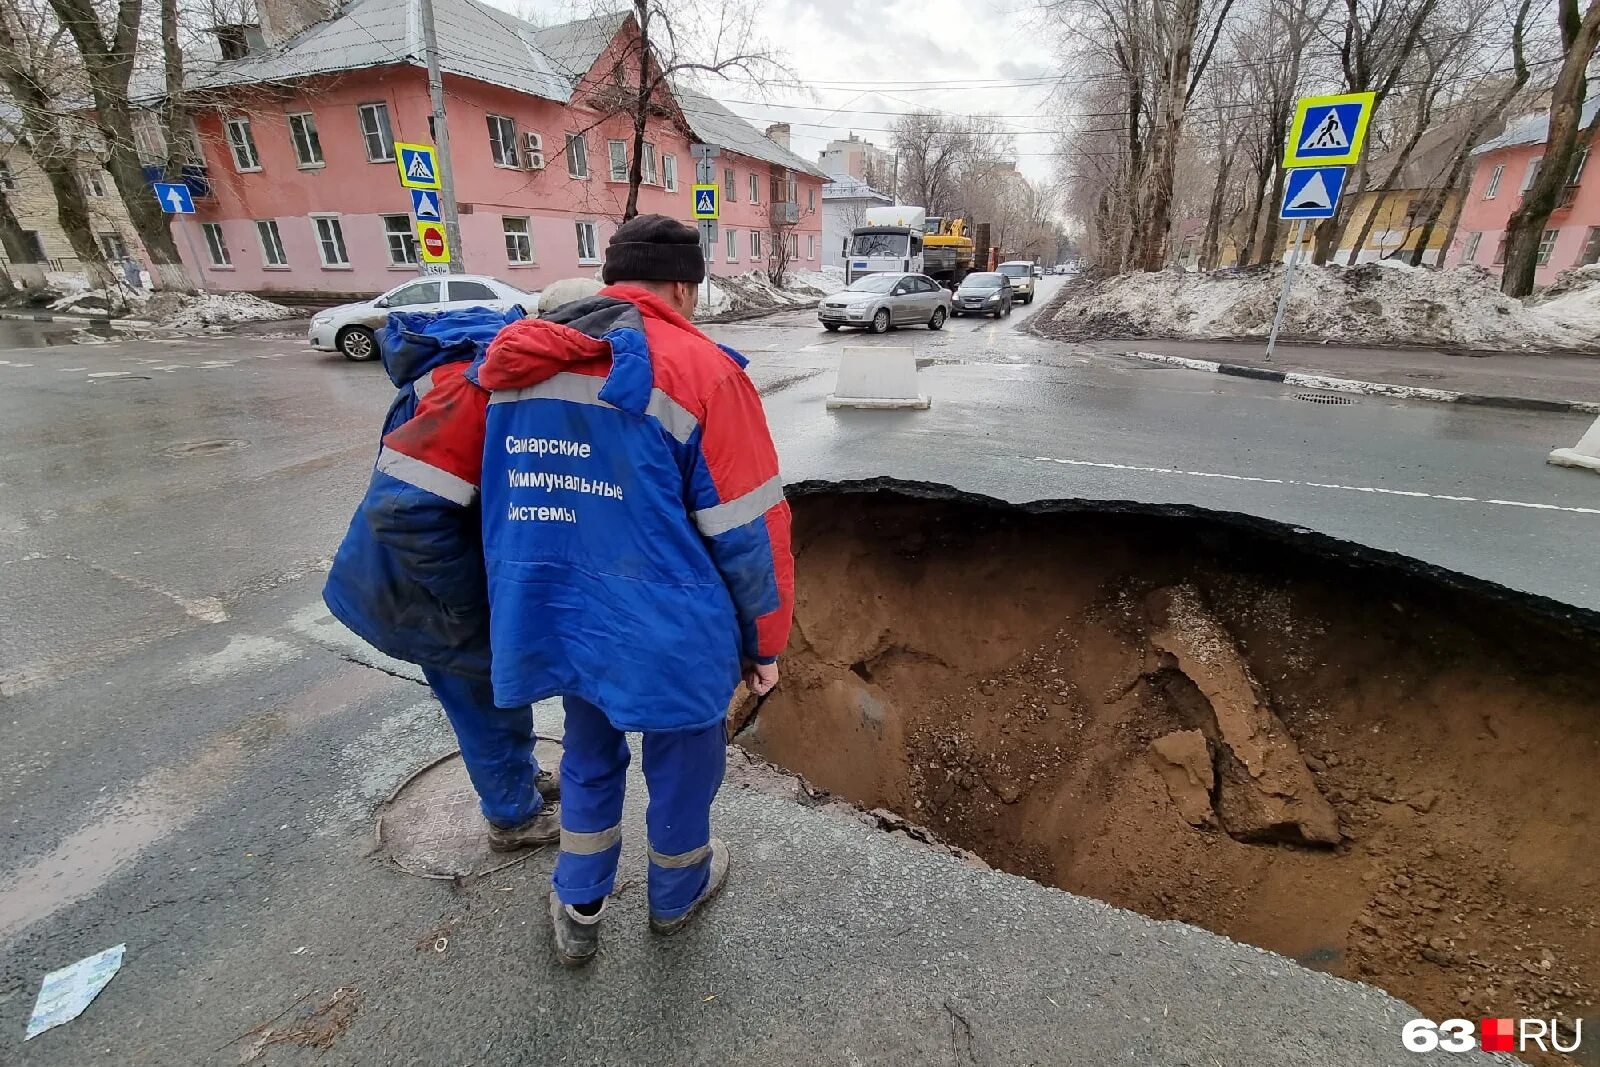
<point x="985" y="293"/>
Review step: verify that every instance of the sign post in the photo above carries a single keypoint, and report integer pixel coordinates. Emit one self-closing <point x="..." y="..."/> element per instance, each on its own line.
<point x="1325" y="137"/>
<point x="707" y="204"/>
<point x="176" y="198"/>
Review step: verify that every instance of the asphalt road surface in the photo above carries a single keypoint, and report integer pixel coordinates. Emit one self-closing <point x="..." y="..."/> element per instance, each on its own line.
<point x="193" y="753"/>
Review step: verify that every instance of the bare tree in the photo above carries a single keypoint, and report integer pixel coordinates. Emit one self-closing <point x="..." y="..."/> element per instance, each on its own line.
<point x="939" y="153"/>
<point x="39" y="75"/>
<point x="107" y="45"/>
<point x="20" y="248"/>
<point x="672" y="39"/>
<point x="1579" y="36"/>
<point x="1377" y="44"/>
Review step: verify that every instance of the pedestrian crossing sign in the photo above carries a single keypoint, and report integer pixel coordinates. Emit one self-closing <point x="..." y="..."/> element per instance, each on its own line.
<point x="1328" y="130"/>
<point x="1311" y="192"/>
<point x="419" y="167"/>
<point x="705" y="201"/>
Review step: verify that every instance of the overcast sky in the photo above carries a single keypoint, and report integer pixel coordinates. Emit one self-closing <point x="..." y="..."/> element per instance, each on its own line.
<point x="890" y="56"/>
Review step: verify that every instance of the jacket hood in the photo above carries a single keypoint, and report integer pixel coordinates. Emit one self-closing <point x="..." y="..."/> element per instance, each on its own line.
<point x="580" y="337"/>
<point x="415" y="342"/>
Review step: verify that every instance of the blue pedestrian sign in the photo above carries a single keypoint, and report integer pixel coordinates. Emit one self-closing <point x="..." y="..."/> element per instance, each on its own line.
<point x="425" y="205"/>
<point x="706" y="201"/>
<point x="175" y="198"/>
<point x="419" y="167"/>
<point x="1311" y="192"/>
<point x="1328" y="130"/>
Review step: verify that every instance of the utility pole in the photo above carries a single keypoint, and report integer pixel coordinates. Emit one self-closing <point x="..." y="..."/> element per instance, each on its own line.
<point x="441" y="140"/>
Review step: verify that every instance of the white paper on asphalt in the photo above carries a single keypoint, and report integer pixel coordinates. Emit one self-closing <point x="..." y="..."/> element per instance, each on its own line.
<point x="65" y="993"/>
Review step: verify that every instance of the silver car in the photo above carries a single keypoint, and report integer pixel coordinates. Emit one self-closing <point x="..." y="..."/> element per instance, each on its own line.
<point x="354" y="328"/>
<point x="879" y="301"/>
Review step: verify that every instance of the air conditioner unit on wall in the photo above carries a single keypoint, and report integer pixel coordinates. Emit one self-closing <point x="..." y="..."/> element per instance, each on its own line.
<point x="532" y="151"/>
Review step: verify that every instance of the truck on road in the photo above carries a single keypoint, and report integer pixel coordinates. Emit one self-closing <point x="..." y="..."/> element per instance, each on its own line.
<point x="908" y="239"/>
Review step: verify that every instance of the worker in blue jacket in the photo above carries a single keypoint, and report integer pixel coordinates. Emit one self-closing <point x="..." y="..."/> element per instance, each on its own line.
<point x="438" y="618"/>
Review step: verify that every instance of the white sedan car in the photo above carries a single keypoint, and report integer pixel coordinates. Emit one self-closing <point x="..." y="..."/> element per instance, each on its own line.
<point x="354" y="328"/>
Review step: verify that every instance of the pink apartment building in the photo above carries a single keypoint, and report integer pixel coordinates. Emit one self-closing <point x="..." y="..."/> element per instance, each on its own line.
<point x="1503" y="168"/>
<point x="304" y="194"/>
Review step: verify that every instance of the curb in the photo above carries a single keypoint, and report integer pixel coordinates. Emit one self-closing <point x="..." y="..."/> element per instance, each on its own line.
<point x="1351" y="385"/>
<point x="755" y="313"/>
<point x="39" y="316"/>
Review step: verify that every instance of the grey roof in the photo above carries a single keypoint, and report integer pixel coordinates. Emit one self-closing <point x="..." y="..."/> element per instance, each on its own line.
<point x="475" y="41"/>
<point x="848" y="187"/>
<point x="1533" y="129"/>
<point x="712" y="123"/>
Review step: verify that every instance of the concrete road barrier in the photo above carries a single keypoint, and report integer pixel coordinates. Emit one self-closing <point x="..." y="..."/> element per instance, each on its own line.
<point x="877" y="378"/>
<point x="1586" y="453"/>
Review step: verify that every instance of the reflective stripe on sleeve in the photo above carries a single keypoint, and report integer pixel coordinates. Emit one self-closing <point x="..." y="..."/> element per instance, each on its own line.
<point x="592" y="843"/>
<point x="423" y="385"/>
<point x="440" y="483"/>
<point x="682" y="859"/>
<point x="735" y="513"/>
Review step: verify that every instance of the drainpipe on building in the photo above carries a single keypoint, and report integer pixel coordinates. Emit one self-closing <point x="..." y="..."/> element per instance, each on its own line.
<point x="441" y="137"/>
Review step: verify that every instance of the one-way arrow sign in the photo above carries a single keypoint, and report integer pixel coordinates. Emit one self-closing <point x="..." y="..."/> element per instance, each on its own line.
<point x="425" y="205"/>
<point x="174" y="198"/>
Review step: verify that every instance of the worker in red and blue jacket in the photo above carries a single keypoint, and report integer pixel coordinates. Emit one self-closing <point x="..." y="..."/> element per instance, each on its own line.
<point x="437" y="616"/>
<point x="636" y="542"/>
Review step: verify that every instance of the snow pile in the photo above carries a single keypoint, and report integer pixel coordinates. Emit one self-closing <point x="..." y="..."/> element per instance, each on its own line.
<point x="113" y="301"/>
<point x="1573" y="300"/>
<point x="754" y="291"/>
<point x="1366" y="304"/>
<point x="188" y="311"/>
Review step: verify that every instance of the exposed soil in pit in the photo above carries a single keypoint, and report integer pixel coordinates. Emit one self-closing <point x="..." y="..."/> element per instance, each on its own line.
<point x="1357" y="767"/>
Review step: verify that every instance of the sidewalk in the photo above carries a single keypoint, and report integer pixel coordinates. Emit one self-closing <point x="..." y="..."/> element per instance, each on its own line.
<point x="1529" y="381"/>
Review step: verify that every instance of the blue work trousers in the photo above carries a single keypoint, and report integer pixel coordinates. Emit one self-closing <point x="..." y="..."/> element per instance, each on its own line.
<point x="682" y="771"/>
<point x="496" y="745"/>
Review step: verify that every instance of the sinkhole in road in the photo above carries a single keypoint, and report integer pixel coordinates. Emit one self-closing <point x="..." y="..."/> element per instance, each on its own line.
<point x="1374" y="768"/>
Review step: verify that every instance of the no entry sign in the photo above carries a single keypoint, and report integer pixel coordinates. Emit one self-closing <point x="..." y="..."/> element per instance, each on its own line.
<point x="432" y="243"/>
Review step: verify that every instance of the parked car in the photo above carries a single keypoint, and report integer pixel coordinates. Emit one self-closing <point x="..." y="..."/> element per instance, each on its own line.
<point x="353" y="329"/>
<point x="879" y="301"/>
<point x="986" y="293"/>
<point x="1020" y="271"/>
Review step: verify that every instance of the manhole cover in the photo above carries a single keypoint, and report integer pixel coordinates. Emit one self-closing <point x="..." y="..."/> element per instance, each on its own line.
<point x="431" y="826"/>
<point x="186" y="449"/>
<point x="1324" y="398"/>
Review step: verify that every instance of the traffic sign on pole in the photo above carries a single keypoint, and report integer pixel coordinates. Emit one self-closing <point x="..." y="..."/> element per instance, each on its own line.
<point x="705" y="201"/>
<point x="419" y="167"/>
<point x="432" y="243"/>
<point x="425" y="205"/>
<point x="704" y="151"/>
<point x="175" y="198"/>
<point x="1311" y="192"/>
<point x="1328" y="130"/>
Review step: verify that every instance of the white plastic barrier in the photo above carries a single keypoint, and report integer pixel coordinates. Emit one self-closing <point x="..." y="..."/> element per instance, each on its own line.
<point x="877" y="378"/>
<point x="1586" y="453"/>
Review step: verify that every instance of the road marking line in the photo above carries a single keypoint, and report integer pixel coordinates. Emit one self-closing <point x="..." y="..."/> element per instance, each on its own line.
<point x="1316" y="485"/>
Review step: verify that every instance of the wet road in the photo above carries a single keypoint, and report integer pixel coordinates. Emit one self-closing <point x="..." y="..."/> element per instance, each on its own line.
<point x="193" y="754"/>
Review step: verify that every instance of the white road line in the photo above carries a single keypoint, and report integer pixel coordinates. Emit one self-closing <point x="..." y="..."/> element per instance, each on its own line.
<point x="1316" y="485"/>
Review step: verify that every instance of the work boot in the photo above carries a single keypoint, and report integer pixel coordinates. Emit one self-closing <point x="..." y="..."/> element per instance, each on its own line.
<point x="577" y="936"/>
<point x="549" y="786"/>
<point x="543" y="829"/>
<point x="714" y="883"/>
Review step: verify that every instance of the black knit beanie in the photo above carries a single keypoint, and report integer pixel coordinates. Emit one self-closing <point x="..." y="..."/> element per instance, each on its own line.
<point x="654" y="248"/>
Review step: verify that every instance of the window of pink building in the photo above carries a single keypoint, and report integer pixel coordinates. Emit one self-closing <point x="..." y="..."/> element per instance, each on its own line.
<point x="519" y="239"/>
<point x="577" y="155"/>
<point x="376" y="133"/>
<point x="242" y="143"/>
<point x="503" y="140"/>
<point x="1470" y="255"/>
<point x="1492" y="190"/>
<point x="1591" y="247"/>
<point x="272" y="256"/>
<point x="1547" y="245"/>
<point x="307" y="145"/>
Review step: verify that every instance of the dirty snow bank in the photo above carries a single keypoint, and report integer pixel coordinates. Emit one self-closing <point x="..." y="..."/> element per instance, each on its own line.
<point x="753" y="291"/>
<point x="189" y="311"/>
<point x="1366" y="304"/>
<point x="1573" y="299"/>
